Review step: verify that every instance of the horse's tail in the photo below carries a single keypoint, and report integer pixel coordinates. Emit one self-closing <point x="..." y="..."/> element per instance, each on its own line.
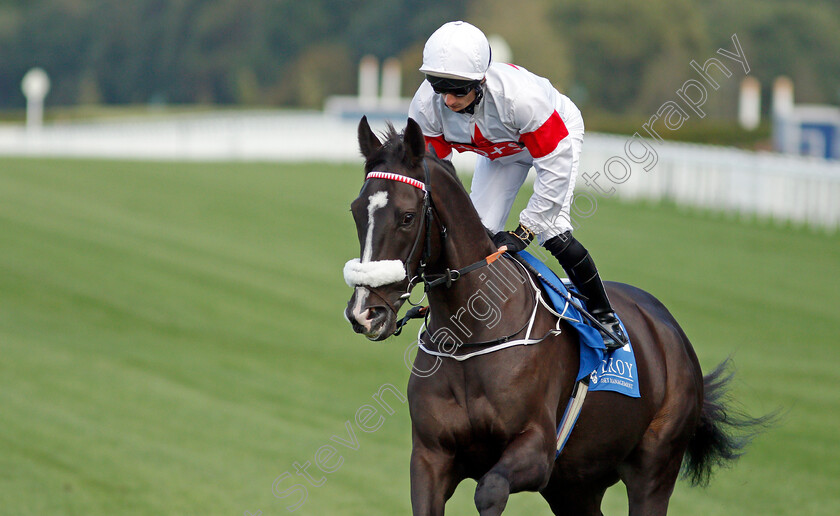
<point x="723" y="432"/>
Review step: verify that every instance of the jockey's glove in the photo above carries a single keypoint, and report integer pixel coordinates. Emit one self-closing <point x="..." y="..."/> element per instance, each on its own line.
<point x="516" y="240"/>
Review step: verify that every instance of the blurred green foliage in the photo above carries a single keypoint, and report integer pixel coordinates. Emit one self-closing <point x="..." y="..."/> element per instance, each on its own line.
<point x="269" y="52"/>
<point x="611" y="57"/>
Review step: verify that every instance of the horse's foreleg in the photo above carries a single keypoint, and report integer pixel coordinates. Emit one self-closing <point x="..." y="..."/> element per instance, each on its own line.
<point x="525" y="465"/>
<point x="432" y="481"/>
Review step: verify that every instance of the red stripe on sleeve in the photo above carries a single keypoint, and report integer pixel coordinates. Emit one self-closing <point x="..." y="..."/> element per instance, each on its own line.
<point x="546" y="137"/>
<point x="441" y="146"/>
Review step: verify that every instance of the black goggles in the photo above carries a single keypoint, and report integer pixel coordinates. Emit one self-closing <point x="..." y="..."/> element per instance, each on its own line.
<point x="457" y="87"/>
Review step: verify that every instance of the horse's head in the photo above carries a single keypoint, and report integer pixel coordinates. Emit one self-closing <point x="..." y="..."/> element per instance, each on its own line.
<point x="392" y="213"/>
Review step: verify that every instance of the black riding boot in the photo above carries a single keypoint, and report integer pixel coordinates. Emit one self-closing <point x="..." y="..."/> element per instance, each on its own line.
<point x="575" y="260"/>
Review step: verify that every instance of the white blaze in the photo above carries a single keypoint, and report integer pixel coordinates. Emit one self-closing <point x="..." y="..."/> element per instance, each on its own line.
<point x="372" y="273"/>
<point x="375" y="201"/>
<point x="359" y="314"/>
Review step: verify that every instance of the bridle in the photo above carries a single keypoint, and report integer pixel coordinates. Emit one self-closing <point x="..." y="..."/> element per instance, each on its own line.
<point x="428" y="218"/>
<point x="429" y="281"/>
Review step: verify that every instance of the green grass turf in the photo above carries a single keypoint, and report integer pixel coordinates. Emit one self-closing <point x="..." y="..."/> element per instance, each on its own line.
<point x="171" y="342"/>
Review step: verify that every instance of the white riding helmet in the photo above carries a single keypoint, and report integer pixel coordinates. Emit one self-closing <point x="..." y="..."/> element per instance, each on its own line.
<point x="457" y="50"/>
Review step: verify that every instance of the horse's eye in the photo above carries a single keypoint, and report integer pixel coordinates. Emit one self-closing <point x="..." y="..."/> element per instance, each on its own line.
<point x="408" y="218"/>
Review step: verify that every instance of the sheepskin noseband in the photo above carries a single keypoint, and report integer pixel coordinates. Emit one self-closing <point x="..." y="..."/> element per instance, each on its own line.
<point x="373" y="274"/>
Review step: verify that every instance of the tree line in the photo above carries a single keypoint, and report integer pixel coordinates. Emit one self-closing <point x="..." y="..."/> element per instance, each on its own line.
<point x="623" y="57"/>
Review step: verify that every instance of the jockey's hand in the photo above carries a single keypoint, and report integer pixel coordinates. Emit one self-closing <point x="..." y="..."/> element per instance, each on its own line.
<point x="516" y="240"/>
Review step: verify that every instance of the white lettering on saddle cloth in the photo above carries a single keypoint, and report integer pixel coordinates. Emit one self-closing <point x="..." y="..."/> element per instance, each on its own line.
<point x="615" y="370"/>
<point x="376" y="273"/>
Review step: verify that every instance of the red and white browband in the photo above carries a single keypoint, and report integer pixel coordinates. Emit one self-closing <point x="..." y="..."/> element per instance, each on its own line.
<point x="397" y="177"/>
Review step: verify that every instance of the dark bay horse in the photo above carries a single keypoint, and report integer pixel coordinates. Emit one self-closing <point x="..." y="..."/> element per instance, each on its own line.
<point x="494" y="417"/>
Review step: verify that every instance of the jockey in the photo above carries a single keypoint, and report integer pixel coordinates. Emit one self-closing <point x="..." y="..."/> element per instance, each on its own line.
<point x="513" y="119"/>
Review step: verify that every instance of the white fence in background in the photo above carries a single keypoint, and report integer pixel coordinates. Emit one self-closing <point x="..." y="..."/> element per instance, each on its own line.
<point x="250" y="136"/>
<point x="784" y="188"/>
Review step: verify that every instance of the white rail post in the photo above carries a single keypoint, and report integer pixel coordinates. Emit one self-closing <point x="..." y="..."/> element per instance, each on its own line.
<point x="35" y="86"/>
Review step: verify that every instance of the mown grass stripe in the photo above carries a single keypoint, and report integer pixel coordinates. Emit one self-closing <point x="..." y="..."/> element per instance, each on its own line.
<point x="171" y="341"/>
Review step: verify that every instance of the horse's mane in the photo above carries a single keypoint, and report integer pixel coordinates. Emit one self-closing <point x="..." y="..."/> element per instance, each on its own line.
<point x="393" y="149"/>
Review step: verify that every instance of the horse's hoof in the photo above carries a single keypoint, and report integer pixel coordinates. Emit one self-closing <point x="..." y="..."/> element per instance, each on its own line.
<point x="491" y="494"/>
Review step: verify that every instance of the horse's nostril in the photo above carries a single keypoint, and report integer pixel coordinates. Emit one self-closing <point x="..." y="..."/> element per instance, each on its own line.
<point x="366" y="319"/>
<point x="376" y="313"/>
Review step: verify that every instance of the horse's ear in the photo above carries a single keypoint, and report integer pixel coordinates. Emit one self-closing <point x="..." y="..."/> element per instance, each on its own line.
<point x="368" y="142"/>
<point x="415" y="142"/>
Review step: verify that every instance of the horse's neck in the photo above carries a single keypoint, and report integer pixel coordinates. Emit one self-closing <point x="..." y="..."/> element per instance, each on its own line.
<point x="467" y="240"/>
<point x="487" y="302"/>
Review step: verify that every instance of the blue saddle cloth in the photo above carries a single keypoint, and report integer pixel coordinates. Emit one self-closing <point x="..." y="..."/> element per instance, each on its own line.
<point x="614" y="371"/>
